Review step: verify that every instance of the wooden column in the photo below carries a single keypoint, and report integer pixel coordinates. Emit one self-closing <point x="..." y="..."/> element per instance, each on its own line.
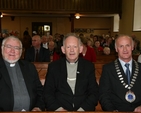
<point x="0" y="26"/>
<point x="72" y="22"/>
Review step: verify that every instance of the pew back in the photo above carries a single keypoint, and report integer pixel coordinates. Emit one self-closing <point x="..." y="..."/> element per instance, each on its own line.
<point x="42" y="68"/>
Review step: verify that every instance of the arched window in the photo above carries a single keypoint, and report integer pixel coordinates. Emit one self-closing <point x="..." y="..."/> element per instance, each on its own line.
<point x="116" y="23"/>
<point x="137" y="16"/>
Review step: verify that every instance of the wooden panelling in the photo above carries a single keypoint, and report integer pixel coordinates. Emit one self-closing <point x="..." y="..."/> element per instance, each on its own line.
<point x="93" y="6"/>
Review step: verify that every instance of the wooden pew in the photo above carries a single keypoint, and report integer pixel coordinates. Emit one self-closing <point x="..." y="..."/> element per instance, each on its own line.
<point x="98" y="70"/>
<point x="66" y="112"/>
<point x="42" y="68"/>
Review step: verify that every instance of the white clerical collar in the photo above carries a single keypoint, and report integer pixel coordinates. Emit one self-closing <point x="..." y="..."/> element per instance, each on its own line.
<point x="12" y="64"/>
<point x="72" y="62"/>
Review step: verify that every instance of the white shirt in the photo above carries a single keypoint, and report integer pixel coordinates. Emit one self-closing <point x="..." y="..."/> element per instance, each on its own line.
<point x="45" y="45"/>
<point x="139" y="58"/>
<point x="123" y="65"/>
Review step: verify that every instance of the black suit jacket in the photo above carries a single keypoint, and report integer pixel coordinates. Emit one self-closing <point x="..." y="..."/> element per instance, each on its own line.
<point x="32" y="82"/>
<point x="57" y="92"/>
<point x="44" y="55"/>
<point x="112" y="91"/>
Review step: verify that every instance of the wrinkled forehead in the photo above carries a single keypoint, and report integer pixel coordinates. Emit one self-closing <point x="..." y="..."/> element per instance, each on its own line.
<point x="71" y="39"/>
<point x="124" y="39"/>
<point x="13" y="42"/>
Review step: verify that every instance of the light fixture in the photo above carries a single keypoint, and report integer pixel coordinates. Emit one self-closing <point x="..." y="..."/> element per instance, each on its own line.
<point x="77" y="15"/>
<point x="1" y="15"/>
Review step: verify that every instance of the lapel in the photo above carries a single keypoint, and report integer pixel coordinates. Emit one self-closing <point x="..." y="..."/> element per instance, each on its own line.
<point x="4" y="73"/>
<point x="79" y="74"/>
<point x="63" y="77"/>
<point x="32" y="54"/>
<point x="123" y="73"/>
<point x="41" y="53"/>
<point x="25" y="74"/>
<point x="133" y="68"/>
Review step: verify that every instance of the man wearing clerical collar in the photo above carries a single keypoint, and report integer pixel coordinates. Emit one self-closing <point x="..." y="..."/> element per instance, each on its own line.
<point x="70" y="81"/>
<point x="20" y="86"/>
<point x="120" y="81"/>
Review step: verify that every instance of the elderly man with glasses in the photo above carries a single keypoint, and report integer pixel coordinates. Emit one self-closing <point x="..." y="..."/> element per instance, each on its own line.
<point x="20" y="87"/>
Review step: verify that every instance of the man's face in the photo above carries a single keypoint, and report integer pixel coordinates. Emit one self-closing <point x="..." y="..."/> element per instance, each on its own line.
<point x="51" y="45"/>
<point x="50" y="38"/>
<point x="124" y="47"/>
<point x="44" y="39"/>
<point x="72" y="48"/>
<point x="97" y="44"/>
<point x="36" y="41"/>
<point x="11" y="50"/>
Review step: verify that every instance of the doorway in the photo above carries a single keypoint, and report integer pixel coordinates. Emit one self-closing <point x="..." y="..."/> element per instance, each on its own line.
<point x="42" y="28"/>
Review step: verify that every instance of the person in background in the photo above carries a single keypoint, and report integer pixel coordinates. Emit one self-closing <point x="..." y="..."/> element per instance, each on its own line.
<point x="106" y="50"/>
<point x="59" y="42"/>
<point x="120" y="82"/>
<point x="98" y="48"/>
<point x="109" y="43"/>
<point x="44" y="41"/>
<point x="88" y="53"/>
<point x="37" y="53"/>
<point x="90" y="42"/>
<point x="26" y="41"/>
<point x="51" y="47"/>
<point x="20" y="87"/>
<point x="70" y="83"/>
<point x="50" y="38"/>
<point x="139" y="58"/>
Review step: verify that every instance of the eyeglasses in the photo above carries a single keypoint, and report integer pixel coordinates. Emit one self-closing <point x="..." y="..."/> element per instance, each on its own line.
<point x="14" y="47"/>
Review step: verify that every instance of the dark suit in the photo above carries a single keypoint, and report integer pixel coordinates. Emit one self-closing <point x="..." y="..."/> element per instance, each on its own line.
<point x="112" y="91"/>
<point x="44" y="55"/>
<point x="32" y="82"/>
<point x="57" y="92"/>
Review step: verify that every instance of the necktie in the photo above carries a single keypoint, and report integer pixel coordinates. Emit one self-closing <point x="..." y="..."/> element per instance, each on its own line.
<point x="127" y="72"/>
<point x="37" y="55"/>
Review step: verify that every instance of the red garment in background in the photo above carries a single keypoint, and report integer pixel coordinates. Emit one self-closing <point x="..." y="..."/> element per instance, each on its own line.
<point x="90" y="54"/>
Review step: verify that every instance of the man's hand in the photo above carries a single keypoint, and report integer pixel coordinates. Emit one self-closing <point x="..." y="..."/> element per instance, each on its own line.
<point x="63" y="109"/>
<point x="36" y="109"/>
<point x="137" y="109"/>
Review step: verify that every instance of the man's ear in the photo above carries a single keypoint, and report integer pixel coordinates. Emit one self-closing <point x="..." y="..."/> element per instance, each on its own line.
<point x="63" y="50"/>
<point x="81" y="49"/>
<point x="132" y="48"/>
<point x="116" y="49"/>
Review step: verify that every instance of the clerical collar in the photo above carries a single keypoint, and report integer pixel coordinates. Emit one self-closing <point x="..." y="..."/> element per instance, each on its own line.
<point x="72" y="62"/>
<point x="10" y="64"/>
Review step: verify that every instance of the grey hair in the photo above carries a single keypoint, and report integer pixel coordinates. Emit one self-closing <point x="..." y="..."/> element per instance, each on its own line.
<point x="71" y="34"/>
<point x="14" y="38"/>
<point x="122" y="35"/>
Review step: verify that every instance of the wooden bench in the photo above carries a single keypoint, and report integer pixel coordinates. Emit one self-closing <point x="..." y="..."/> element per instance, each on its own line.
<point x="42" y="70"/>
<point x="62" y="112"/>
<point x="43" y="66"/>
